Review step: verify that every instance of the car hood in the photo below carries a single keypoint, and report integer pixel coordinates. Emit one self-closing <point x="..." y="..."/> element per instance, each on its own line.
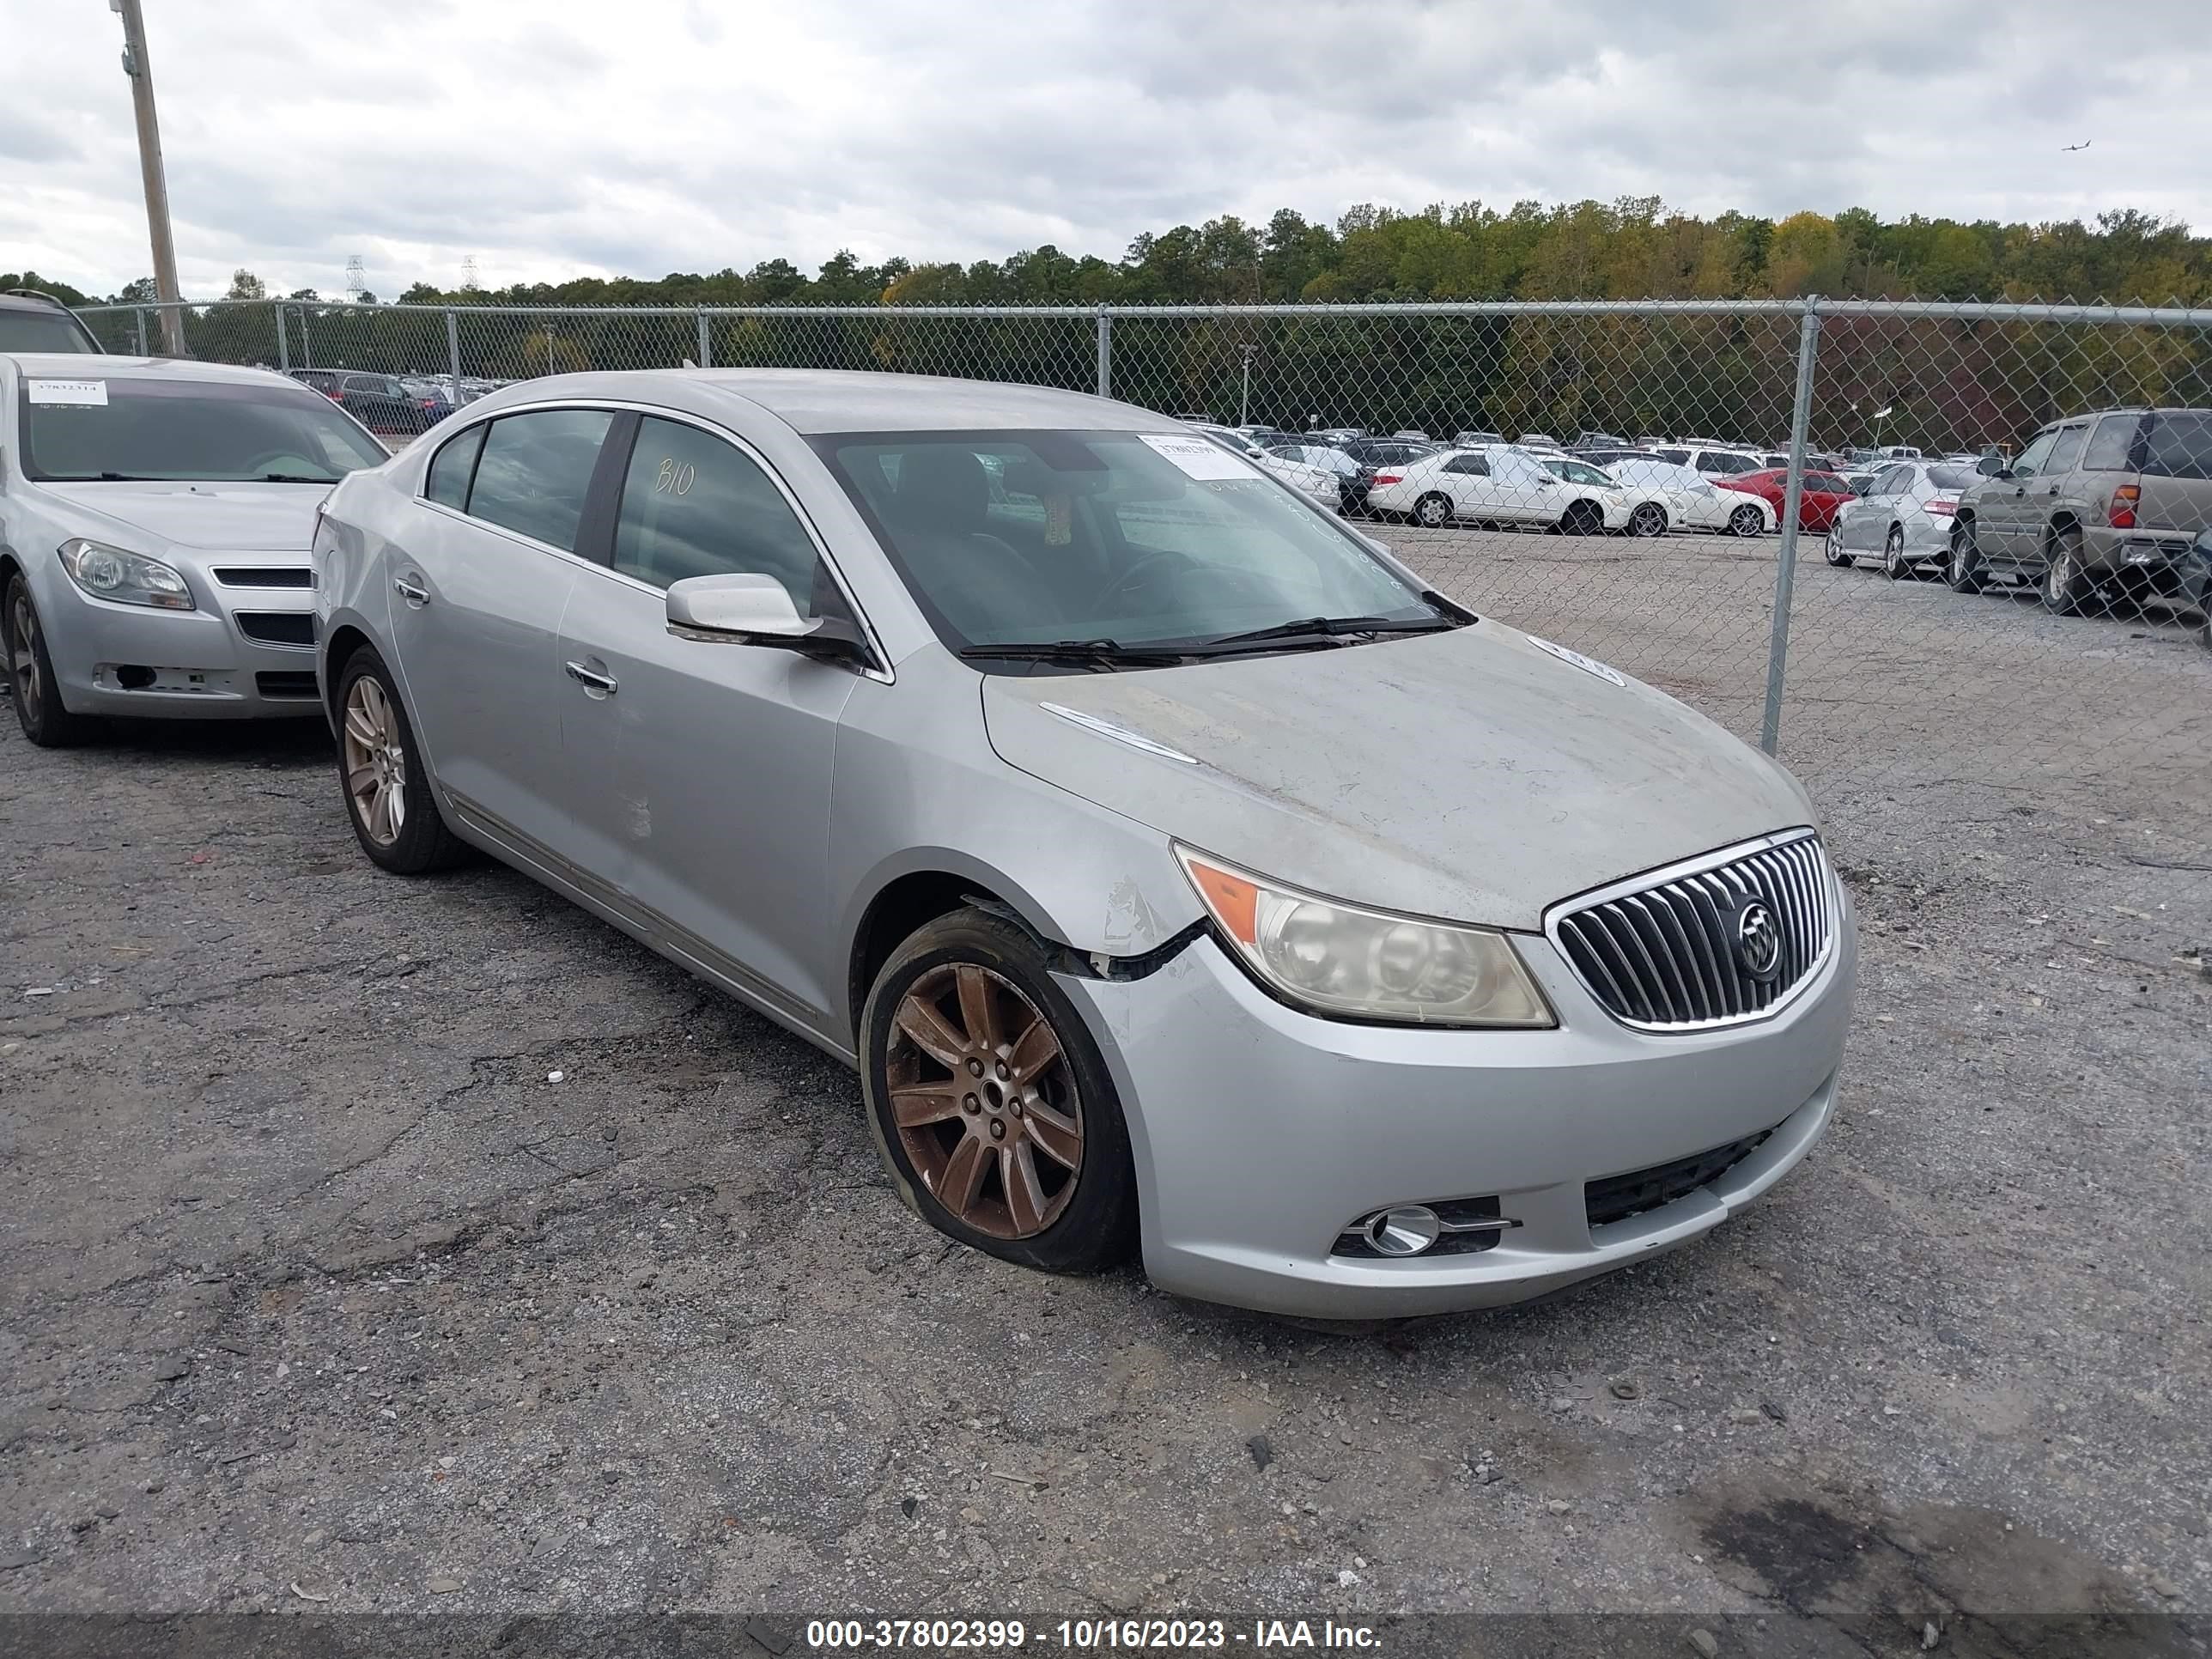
<point x="1468" y="775"/>
<point x="244" y="518"/>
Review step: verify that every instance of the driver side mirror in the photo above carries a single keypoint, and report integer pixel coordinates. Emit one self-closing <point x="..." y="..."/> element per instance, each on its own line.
<point x="749" y="609"/>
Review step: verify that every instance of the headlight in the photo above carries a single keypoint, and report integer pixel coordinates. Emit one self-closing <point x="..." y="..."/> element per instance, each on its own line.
<point x="112" y="573"/>
<point x="1343" y="959"/>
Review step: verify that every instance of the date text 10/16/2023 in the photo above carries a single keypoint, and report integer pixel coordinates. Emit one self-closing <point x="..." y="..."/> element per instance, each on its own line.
<point x="1091" y="1635"/>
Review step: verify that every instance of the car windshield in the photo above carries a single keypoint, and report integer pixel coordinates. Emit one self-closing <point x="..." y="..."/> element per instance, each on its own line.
<point x="41" y="330"/>
<point x="1580" y="472"/>
<point x="204" y="431"/>
<point x="1112" y="538"/>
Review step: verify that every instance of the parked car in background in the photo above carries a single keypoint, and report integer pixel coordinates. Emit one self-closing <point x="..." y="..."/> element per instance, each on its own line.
<point x="382" y="402"/>
<point x="155" y="518"/>
<point x="1411" y="435"/>
<point x="1373" y="455"/>
<point x="1697" y="501"/>
<point x="1351" y="480"/>
<point x="1818" y="497"/>
<point x="1168" y="821"/>
<point x="1468" y="440"/>
<point x="1318" y="485"/>
<point x="1497" y="483"/>
<point x="2112" y="500"/>
<point x="31" y="320"/>
<point x="1904" y="515"/>
<point x="1650" y="512"/>
<point x="1712" y="461"/>
<point x="1533" y="440"/>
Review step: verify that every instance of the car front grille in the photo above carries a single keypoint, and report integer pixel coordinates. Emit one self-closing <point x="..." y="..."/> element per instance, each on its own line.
<point x="277" y="627"/>
<point x="285" y="684"/>
<point x="1682" y="954"/>
<point x="249" y="575"/>
<point x="1616" y="1198"/>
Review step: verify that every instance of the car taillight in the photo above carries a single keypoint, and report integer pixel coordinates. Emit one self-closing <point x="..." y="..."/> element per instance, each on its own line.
<point x="1943" y="509"/>
<point x="1389" y="477"/>
<point x="2121" y="513"/>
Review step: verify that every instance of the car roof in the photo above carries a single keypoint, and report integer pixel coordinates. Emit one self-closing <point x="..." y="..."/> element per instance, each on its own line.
<point x="92" y="365"/>
<point x="821" y="400"/>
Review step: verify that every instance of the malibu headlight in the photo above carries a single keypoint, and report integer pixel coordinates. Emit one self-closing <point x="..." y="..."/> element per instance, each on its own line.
<point x="127" y="578"/>
<point x="1345" y="959"/>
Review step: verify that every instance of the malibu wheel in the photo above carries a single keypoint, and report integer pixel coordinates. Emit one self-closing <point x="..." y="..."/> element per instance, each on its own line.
<point x="1895" y="564"/>
<point x="990" y="1102"/>
<point x="1746" y="521"/>
<point x="33" y="688"/>
<point x="1832" y="549"/>
<point x="1650" y="519"/>
<point x="388" y="797"/>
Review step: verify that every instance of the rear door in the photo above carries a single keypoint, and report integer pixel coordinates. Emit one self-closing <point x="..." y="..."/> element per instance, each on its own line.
<point x="476" y="600"/>
<point x="702" y="767"/>
<point x="1866" y="527"/>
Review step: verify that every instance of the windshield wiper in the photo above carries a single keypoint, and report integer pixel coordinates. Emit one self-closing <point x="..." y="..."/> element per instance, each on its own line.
<point x="1105" y="653"/>
<point x="294" y="478"/>
<point x="1331" y="628"/>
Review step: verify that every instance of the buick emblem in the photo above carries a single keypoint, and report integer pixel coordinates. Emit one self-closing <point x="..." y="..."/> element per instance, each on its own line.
<point x="1758" y="942"/>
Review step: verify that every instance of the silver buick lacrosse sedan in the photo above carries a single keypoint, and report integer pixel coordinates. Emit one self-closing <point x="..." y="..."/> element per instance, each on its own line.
<point x="1180" y="871"/>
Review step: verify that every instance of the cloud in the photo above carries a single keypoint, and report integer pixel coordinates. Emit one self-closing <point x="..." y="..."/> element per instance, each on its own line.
<point x="664" y="135"/>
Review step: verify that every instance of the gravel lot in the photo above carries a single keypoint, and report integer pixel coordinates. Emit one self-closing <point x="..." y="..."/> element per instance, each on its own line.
<point x="315" y="1286"/>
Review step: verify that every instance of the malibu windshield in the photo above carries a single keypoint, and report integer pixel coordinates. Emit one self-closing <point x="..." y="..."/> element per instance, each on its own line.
<point x="207" y="432"/>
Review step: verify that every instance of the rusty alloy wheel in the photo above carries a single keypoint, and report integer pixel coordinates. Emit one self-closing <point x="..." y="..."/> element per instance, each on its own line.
<point x="985" y="1100"/>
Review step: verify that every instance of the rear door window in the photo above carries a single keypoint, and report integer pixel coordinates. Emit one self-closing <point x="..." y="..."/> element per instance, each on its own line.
<point x="2113" y="444"/>
<point x="535" y="471"/>
<point x="2180" y="444"/>
<point x="1474" y="465"/>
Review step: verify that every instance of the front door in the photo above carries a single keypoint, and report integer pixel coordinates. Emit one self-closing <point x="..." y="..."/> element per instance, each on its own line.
<point x="476" y="600"/>
<point x="701" y="767"/>
<point x="2055" y="488"/>
<point x="2000" y="510"/>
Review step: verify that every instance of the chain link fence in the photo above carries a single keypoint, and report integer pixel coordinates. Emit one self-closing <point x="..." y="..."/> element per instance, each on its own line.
<point x="1935" y="555"/>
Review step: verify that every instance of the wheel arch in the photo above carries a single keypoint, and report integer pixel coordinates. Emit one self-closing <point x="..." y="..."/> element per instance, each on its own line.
<point x="338" y="651"/>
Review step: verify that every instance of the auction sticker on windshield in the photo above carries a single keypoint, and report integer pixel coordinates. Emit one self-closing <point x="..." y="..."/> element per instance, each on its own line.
<point x="1588" y="665"/>
<point x="89" y="394"/>
<point x="1198" y="458"/>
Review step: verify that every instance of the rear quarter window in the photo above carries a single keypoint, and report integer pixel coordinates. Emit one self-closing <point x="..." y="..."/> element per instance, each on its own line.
<point x="2112" y="445"/>
<point x="2179" y="445"/>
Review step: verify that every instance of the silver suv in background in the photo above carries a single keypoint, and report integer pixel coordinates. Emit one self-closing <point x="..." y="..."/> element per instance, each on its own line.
<point x="2109" y="499"/>
<point x="33" y="321"/>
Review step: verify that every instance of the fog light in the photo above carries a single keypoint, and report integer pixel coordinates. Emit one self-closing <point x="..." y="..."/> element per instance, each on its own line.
<point x="1408" y="1231"/>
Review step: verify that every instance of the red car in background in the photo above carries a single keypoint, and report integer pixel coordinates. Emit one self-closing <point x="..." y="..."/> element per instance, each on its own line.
<point x="1817" y="502"/>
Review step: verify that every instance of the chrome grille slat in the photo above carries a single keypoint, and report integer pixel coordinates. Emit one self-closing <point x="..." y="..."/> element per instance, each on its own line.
<point x="1663" y="956"/>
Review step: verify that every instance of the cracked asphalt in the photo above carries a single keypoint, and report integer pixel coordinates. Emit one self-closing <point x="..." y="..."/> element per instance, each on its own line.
<point x="317" y="1294"/>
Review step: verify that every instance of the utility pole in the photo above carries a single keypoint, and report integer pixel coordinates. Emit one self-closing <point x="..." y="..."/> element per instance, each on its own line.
<point x="136" y="66"/>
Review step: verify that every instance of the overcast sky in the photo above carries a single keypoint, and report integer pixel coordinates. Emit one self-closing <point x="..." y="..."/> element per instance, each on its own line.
<point x="554" y="139"/>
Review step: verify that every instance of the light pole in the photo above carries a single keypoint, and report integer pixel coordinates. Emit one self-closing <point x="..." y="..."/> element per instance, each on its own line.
<point x="1244" y="398"/>
<point x="135" y="66"/>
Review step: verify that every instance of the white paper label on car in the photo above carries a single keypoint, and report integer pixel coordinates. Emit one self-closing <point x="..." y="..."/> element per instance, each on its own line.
<point x="1588" y="665"/>
<point x="91" y="394"/>
<point x="1199" y="458"/>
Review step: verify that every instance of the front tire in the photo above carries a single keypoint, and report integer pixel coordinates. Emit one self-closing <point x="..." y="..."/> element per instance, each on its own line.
<point x="990" y="1102"/>
<point x="1833" y="550"/>
<point x="1433" y="512"/>
<point x="32" y="687"/>
<point x="388" y="797"/>
<point x="1747" y="520"/>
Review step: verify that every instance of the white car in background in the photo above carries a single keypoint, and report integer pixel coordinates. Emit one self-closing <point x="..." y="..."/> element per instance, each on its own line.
<point x="1317" y="484"/>
<point x="1650" y="512"/>
<point x="1696" y="501"/>
<point x="1904" y="516"/>
<point x="1497" y="483"/>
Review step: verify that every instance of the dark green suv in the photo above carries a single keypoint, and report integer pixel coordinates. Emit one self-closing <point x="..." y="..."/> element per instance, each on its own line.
<point x="2105" y="500"/>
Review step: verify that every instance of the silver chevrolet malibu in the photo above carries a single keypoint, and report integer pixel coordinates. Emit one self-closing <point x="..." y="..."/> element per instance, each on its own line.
<point x="1180" y="870"/>
<point x="155" y="518"/>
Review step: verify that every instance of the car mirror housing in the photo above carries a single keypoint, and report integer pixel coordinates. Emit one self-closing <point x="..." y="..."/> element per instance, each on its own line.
<point x="746" y="607"/>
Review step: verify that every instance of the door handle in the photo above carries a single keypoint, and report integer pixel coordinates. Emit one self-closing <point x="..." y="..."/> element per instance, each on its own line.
<point x="590" y="678"/>
<point x="413" y="592"/>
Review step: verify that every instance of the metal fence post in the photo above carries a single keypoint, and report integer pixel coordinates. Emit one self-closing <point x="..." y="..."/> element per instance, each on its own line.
<point x="140" y="312"/>
<point x="706" y="341"/>
<point x="1793" y="486"/>
<point x="453" y="352"/>
<point x="1105" y="351"/>
<point x="283" y="345"/>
